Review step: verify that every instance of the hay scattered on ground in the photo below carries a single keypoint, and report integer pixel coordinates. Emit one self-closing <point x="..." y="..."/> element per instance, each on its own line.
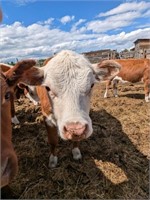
<point x="115" y="157"/>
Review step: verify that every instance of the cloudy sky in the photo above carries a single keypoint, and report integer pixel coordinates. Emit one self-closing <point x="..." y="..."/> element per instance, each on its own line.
<point x="40" y="28"/>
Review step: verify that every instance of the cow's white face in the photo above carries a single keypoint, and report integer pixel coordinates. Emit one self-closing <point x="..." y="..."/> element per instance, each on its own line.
<point x="70" y="78"/>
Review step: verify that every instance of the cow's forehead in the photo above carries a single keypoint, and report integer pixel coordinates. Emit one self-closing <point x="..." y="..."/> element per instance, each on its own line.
<point x="69" y="68"/>
<point x="69" y="80"/>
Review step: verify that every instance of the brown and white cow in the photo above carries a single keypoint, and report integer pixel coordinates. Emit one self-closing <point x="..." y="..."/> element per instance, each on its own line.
<point x="65" y="101"/>
<point x="20" y="72"/>
<point x="5" y="67"/>
<point x="27" y="90"/>
<point x="65" y="97"/>
<point x="132" y="70"/>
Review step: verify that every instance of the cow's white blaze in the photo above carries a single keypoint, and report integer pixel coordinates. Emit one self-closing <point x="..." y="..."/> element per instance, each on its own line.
<point x="70" y="77"/>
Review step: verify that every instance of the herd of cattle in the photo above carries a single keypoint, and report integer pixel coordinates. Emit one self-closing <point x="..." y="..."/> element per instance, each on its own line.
<point x="63" y="88"/>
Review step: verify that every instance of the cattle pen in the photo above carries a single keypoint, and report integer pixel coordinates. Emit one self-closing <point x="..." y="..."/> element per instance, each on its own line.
<point x="115" y="157"/>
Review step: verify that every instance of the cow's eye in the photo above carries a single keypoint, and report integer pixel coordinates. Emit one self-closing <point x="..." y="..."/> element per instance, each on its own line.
<point x="92" y="85"/>
<point x="47" y="88"/>
<point x="7" y="96"/>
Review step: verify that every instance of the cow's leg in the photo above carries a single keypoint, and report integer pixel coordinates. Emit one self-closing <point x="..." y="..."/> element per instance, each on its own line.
<point x="115" y="83"/>
<point x="14" y="119"/>
<point x="50" y="124"/>
<point x="147" y="90"/>
<point x="146" y="80"/>
<point x="53" y="141"/>
<point x="108" y="83"/>
<point x="76" y="151"/>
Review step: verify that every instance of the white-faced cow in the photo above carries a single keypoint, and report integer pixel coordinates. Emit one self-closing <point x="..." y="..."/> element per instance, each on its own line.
<point x="65" y="99"/>
<point x="132" y="70"/>
<point x="22" y="71"/>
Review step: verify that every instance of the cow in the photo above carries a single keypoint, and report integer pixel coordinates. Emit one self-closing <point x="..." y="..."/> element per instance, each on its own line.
<point x="31" y="91"/>
<point x="64" y="93"/>
<point x="22" y="71"/>
<point x="133" y="71"/>
<point x="5" y="67"/>
<point x="28" y="91"/>
<point x="65" y="98"/>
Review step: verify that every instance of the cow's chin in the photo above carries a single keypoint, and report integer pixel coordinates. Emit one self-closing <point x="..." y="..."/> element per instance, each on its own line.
<point x="70" y="136"/>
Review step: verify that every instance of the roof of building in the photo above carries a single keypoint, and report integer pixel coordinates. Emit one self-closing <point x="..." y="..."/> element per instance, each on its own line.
<point x="142" y="40"/>
<point x="99" y="51"/>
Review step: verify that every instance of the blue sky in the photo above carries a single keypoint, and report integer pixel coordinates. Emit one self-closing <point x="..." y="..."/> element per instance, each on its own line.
<point x="37" y="29"/>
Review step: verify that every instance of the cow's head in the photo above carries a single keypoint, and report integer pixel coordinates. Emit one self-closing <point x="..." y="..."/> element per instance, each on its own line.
<point x="9" y="79"/>
<point x="69" y="78"/>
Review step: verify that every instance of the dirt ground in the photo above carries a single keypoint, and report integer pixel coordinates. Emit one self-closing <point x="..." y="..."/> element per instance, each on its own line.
<point x="115" y="163"/>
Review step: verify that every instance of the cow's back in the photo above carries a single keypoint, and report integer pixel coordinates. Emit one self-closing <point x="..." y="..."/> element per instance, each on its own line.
<point x="133" y="70"/>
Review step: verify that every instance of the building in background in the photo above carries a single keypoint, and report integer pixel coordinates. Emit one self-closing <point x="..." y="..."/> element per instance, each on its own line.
<point x="127" y="54"/>
<point x="106" y="54"/>
<point x="142" y="48"/>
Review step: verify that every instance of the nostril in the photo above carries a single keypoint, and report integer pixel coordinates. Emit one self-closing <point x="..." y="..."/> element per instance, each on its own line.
<point x="65" y="128"/>
<point x="85" y="127"/>
<point x="76" y="128"/>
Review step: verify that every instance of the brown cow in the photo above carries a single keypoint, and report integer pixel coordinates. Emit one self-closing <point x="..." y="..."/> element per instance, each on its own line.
<point x="132" y="70"/>
<point x="5" y="67"/>
<point x="20" y="72"/>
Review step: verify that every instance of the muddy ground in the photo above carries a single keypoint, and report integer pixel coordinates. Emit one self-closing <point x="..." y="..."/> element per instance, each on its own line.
<point x="115" y="157"/>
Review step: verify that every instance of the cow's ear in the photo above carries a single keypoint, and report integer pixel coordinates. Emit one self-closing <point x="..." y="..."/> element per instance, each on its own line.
<point x="21" y="85"/>
<point x="106" y="70"/>
<point x="25" y="72"/>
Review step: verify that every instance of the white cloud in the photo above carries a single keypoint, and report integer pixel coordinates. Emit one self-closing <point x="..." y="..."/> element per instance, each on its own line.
<point x="41" y="40"/>
<point x="22" y="2"/>
<point x="80" y="21"/>
<point x="38" y="41"/>
<point x="66" y="19"/>
<point x="49" y="21"/>
<point x="147" y="14"/>
<point x="113" y="22"/>
<point x="125" y="7"/>
<point x="123" y="15"/>
<point x="147" y="25"/>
